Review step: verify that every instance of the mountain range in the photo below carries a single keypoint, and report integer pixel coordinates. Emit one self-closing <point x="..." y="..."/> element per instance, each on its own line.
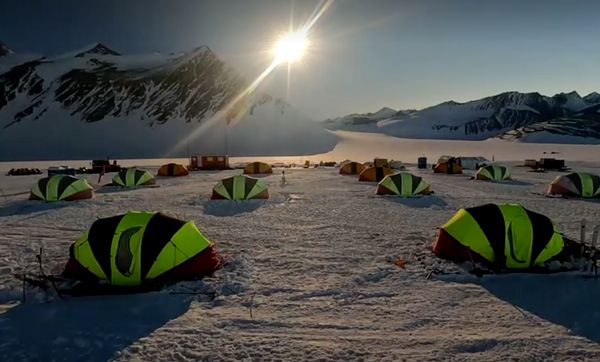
<point x="96" y="102"/>
<point x="533" y="117"/>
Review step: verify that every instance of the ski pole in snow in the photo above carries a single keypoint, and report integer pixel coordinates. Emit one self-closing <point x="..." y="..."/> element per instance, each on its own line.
<point x="101" y="174"/>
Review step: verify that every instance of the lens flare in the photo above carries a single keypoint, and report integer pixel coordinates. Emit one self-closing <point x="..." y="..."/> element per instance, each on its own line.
<point x="290" y="47"/>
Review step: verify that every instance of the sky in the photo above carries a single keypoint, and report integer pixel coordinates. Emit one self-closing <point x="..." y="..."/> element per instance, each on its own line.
<point x="363" y="55"/>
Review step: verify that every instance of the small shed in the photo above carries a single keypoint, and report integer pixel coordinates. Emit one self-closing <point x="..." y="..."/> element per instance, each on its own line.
<point x="216" y="162"/>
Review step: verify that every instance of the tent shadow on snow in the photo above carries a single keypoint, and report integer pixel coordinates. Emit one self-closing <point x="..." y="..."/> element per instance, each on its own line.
<point x="112" y="189"/>
<point x="89" y="328"/>
<point x="26" y="207"/>
<point x="418" y="202"/>
<point x="565" y="299"/>
<point x="515" y="183"/>
<point x="231" y="208"/>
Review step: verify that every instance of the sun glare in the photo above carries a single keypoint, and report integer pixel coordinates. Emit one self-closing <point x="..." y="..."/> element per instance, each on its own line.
<point x="290" y="47"/>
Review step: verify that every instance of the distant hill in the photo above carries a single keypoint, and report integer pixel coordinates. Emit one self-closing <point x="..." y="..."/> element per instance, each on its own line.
<point x="509" y="115"/>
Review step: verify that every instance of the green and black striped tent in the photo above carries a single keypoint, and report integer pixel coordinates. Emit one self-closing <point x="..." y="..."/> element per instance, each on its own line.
<point x="493" y="173"/>
<point x="240" y="187"/>
<point x="403" y="184"/>
<point x="61" y="187"/>
<point x="581" y="184"/>
<point x="132" y="176"/>
<point x="506" y="236"/>
<point x="141" y="248"/>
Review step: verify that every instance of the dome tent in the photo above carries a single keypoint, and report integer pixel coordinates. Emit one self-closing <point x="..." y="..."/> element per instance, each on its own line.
<point x="140" y="249"/>
<point x="257" y="168"/>
<point x="132" y="176"/>
<point x="351" y="168"/>
<point x="581" y="184"/>
<point x="504" y="236"/>
<point x="172" y="169"/>
<point x="447" y="164"/>
<point x="240" y="187"/>
<point x="61" y="187"/>
<point x="493" y="173"/>
<point x="374" y="174"/>
<point x="403" y="184"/>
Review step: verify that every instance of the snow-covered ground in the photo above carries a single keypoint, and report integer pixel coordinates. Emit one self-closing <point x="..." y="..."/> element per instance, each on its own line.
<point x="310" y="276"/>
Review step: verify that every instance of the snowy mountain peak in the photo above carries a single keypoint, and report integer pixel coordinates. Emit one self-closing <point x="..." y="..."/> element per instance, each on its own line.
<point x="592" y="98"/>
<point x="571" y="101"/>
<point x="569" y="95"/>
<point x="385" y="112"/>
<point x="449" y="103"/>
<point x="198" y="54"/>
<point x="97" y="48"/>
<point x="4" y="49"/>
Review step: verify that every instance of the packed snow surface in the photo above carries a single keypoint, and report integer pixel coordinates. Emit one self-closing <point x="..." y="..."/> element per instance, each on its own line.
<point x="310" y="275"/>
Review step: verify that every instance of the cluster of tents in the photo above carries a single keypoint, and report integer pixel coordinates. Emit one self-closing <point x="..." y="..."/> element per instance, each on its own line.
<point x="146" y="249"/>
<point x="455" y="165"/>
<point x="244" y="187"/>
<point x="498" y="236"/>
<point x="389" y="181"/>
<point x="141" y="250"/>
<point x="509" y="236"/>
<point x="70" y="188"/>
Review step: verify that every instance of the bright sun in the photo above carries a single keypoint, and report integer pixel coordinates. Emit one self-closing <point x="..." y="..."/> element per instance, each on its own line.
<point x="290" y="47"/>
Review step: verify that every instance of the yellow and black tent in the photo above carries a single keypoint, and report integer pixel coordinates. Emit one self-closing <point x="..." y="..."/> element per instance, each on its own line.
<point x="374" y="174"/>
<point x="447" y="164"/>
<point x="257" y="168"/>
<point x="493" y="173"/>
<point x="61" y="187"/>
<point x="141" y="248"/>
<point x="403" y="184"/>
<point x="132" y="176"/>
<point x="351" y="168"/>
<point x="581" y="184"/>
<point x="240" y="187"/>
<point x="172" y="169"/>
<point x="506" y="236"/>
